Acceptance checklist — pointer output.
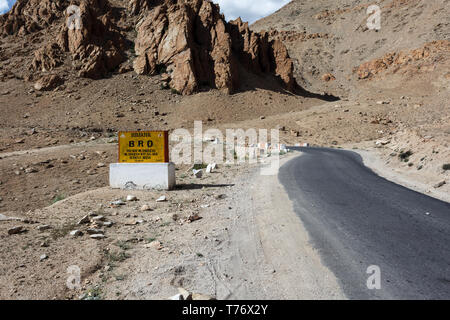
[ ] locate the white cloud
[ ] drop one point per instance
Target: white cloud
(249, 10)
(5, 5)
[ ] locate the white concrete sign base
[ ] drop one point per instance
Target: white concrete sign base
(142, 176)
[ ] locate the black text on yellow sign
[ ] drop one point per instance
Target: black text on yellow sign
(143, 146)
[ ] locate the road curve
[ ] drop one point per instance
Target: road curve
(357, 219)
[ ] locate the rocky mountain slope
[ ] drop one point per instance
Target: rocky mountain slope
(335, 51)
(188, 41)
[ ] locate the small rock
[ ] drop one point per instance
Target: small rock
(194, 217)
(84, 220)
(198, 173)
(31, 170)
(176, 297)
(186, 294)
(131, 198)
(44, 227)
(204, 297)
(97, 236)
(221, 196)
(94, 231)
(16, 230)
(161, 199)
(118, 203)
(146, 208)
(43, 257)
(98, 218)
(154, 245)
(211, 167)
(76, 233)
(107, 224)
(101, 165)
(439, 184)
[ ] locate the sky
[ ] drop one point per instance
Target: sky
(248, 10)
(5, 5)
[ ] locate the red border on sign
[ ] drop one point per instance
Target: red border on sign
(166, 143)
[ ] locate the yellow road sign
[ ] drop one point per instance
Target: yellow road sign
(143, 146)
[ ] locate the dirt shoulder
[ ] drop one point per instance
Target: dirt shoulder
(231, 235)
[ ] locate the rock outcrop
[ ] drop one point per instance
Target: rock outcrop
(189, 41)
(424, 58)
(192, 42)
(28, 16)
(96, 44)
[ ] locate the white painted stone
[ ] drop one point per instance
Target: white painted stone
(142, 176)
(197, 173)
(211, 167)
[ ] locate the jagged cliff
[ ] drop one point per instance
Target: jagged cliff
(189, 41)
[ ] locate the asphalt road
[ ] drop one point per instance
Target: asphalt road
(357, 219)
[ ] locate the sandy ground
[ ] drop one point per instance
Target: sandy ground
(233, 251)
(410, 179)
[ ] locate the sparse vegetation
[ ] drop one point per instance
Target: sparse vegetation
(199, 166)
(124, 245)
(58, 197)
(63, 231)
(117, 256)
(94, 293)
(175, 91)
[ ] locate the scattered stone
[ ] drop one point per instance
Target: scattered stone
(76, 233)
(118, 203)
(6, 218)
(94, 231)
(43, 257)
(48, 82)
(382, 142)
(221, 196)
(176, 297)
(186, 294)
(198, 173)
(97, 236)
(154, 245)
(84, 220)
(107, 224)
(31, 170)
(131, 198)
(383, 102)
(98, 218)
(16, 230)
(44, 244)
(194, 217)
(439, 184)
(44, 227)
(101, 165)
(161, 199)
(211, 167)
(203, 297)
(146, 208)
